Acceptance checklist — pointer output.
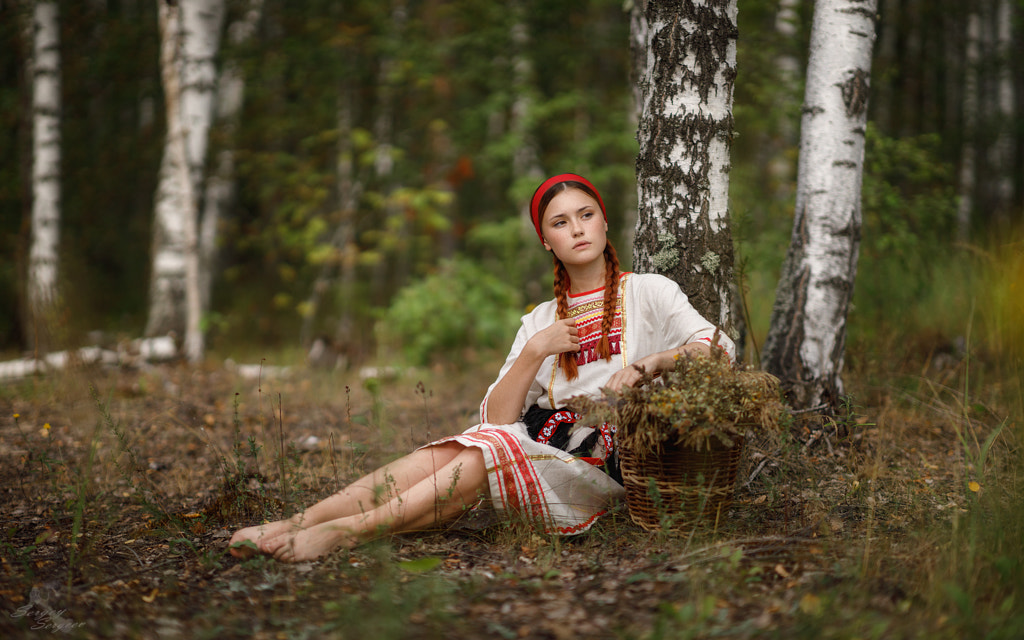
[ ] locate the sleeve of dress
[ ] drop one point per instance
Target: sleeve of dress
(517, 346)
(680, 322)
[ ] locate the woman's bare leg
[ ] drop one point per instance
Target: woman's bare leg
(361, 496)
(435, 499)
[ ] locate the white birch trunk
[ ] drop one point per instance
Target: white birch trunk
(1002, 148)
(349, 192)
(968, 149)
(525, 159)
(807, 337)
(220, 185)
(685, 132)
(384, 161)
(44, 70)
(780, 165)
(183, 216)
(638, 33)
(786, 25)
(190, 33)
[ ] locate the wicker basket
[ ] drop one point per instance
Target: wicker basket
(692, 486)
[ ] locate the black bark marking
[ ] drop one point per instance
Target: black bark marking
(674, 199)
(856, 90)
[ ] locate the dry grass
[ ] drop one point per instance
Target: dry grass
(898, 518)
(861, 525)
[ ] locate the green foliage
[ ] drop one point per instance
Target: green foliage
(908, 200)
(446, 80)
(444, 316)
(981, 576)
(402, 595)
(510, 248)
(909, 209)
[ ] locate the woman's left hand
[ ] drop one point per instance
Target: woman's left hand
(629, 376)
(655, 363)
(625, 377)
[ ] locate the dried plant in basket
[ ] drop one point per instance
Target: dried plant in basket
(702, 398)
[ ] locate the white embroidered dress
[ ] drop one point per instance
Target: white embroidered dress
(559, 491)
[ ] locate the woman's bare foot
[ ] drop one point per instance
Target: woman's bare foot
(311, 543)
(259, 538)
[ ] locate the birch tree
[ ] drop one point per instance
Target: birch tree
(1002, 152)
(190, 39)
(220, 186)
(686, 76)
(388, 74)
(526, 157)
(177, 154)
(807, 336)
(968, 148)
(44, 71)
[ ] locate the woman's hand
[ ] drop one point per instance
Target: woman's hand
(655, 363)
(626, 377)
(505, 402)
(558, 338)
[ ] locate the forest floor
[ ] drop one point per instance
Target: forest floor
(120, 488)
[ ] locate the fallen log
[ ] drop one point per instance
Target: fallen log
(132, 353)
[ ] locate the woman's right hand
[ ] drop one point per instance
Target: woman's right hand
(505, 402)
(558, 338)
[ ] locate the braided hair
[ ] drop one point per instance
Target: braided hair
(568, 360)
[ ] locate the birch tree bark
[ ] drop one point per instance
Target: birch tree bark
(780, 165)
(220, 185)
(190, 33)
(44, 71)
(177, 153)
(968, 147)
(526, 158)
(685, 131)
(807, 337)
(526, 164)
(384, 154)
(1002, 147)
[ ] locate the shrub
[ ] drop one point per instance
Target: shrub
(460, 307)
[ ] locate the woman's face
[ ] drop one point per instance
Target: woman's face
(574, 228)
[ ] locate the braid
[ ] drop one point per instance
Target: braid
(567, 359)
(611, 290)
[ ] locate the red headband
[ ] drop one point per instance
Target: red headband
(546, 186)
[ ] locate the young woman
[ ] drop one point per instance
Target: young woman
(527, 456)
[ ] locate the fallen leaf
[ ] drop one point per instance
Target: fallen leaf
(974, 486)
(420, 565)
(781, 570)
(810, 604)
(151, 597)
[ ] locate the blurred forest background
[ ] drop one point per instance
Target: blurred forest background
(385, 151)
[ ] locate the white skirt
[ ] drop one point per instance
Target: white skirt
(557, 491)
